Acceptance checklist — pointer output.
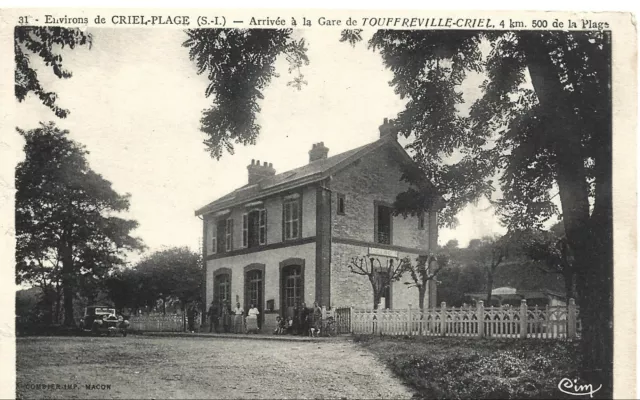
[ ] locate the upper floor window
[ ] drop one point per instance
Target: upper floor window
(383, 224)
(228, 235)
(254, 228)
(291, 219)
(341, 205)
(217, 238)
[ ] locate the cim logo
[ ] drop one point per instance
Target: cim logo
(571, 387)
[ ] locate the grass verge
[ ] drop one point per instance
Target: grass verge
(456, 368)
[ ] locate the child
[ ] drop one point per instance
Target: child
(279, 326)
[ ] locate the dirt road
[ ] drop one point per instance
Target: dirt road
(152, 367)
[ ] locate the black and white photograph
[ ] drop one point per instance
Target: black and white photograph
(229, 204)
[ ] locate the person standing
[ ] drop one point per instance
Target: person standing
(226, 316)
(213, 317)
(252, 319)
(191, 317)
(237, 321)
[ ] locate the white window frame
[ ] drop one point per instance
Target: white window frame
(291, 222)
(262, 227)
(212, 232)
(245, 230)
(228, 235)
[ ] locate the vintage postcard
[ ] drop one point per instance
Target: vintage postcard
(290, 203)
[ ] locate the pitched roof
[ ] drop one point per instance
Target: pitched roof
(312, 172)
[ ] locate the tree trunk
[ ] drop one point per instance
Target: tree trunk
(67, 281)
(422, 290)
(568, 285)
(489, 287)
(589, 236)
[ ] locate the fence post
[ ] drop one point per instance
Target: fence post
(410, 322)
(523, 318)
(480, 318)
(351, 319)
(571, 319)
(443, 316)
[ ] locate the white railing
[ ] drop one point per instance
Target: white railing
(551, 322)
(157, 323)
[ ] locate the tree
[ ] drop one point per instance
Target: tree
(550, 131)
(489, 253)
(240, 64)
(41, 41)
(426, 268)
(65, 222)
(550, 249)
(171, 274)
(380, 276)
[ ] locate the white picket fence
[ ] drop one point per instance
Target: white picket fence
(157, 323)
(555, 322)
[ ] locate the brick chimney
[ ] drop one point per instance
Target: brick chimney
(388, 128)
(318, 152)
(258, 172)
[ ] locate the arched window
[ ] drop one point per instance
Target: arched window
(291, 284)
(222, 287)
(254, 288)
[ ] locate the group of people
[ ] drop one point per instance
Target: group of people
(229, 320)
(300, 320)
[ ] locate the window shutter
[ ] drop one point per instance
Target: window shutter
(245, 230)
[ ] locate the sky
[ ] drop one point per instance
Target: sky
(136, 100)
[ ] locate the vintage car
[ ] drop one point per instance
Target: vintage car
(101, 319)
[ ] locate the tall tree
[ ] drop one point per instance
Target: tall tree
(171, 274)
(543, 121)
(66, 220)
(43, 42)
(489, 253)
(380, 275)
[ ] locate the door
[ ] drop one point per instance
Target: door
(292, 289)
(254, 292)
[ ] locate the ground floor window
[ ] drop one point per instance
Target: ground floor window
(292, 287)
(222, 289)
(254, 291)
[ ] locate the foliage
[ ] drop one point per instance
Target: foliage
(166, 275)
(42, 41)
(381, 276)
(240, 64)
(458, 279)
(552, 253)
(477, 369)
(67, 230)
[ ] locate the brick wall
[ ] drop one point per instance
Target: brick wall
(349, 289)
(375, 177)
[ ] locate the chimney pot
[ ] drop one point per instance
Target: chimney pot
(318, 152)
(258, 172)
(388, 129)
